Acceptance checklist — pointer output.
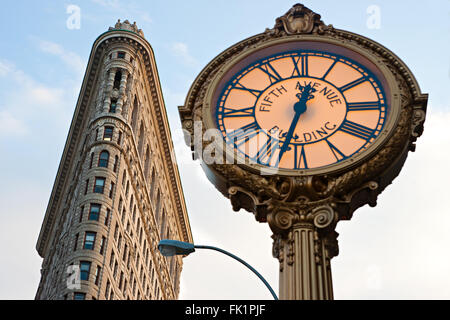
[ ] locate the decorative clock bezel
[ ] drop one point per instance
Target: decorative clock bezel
(345, 165)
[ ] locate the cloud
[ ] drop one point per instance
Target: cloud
(180, 50)
(27, 103)
(71, 59)
(5, 68)
(10, 126)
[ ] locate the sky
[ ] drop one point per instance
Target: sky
(397, 250)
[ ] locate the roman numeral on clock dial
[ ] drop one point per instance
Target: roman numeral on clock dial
(363, 106)
(233, 113)
(303, 70)
(240, 86)
(329, 69)
(243, 134)
(300, 157)
(336, 152)
(267, 151)
(353, 84)
(357, 130)
(268, 69)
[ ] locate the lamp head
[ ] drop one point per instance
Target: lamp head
(170, 248)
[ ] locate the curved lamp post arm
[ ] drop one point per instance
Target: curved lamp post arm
(243, 262)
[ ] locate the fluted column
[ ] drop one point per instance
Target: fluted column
(304, 245)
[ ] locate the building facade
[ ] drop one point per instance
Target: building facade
(117, 191)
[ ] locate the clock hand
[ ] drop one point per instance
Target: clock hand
(299, 109)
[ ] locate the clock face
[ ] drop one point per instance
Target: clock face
(301, 110)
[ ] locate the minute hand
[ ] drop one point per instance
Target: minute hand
(289, 135)
(299, 109)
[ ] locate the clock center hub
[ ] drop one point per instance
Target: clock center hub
(325, 109)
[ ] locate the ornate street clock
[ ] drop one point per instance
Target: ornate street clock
(317, 122)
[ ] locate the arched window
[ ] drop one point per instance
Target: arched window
(117, 80)
(103, 159)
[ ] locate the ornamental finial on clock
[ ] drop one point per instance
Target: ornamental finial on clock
(299, 20)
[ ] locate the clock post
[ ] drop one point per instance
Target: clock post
(318, 121)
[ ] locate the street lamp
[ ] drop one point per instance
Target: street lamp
(170, 248)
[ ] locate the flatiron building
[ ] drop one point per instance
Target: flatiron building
(117, 191)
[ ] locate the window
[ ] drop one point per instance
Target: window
(92, 159)
(85, 267)
(89, 240)
(86, 187)
(76, 242)
(147, 163)
(102, 245)
(119, 139)
(121, 280)
(117, 79)
(111, 190)
(97, 275)
(125, 249)
(108, 133)
(134, 114)
(108, 286)
(119, 242)
(115, 269)
(103, 159)
(116, 162)
(113, 106)
(141, 138)
(121, 55)
(79, 296)
(158, 205)
(81, 213)
(124, 177)
(107, 215)
(116, 231)
(99, 185)
(94, 213)
(111, 260)
(127, 189)
(152, 183)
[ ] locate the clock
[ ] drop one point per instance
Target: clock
(301, 107)
(301, 125)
